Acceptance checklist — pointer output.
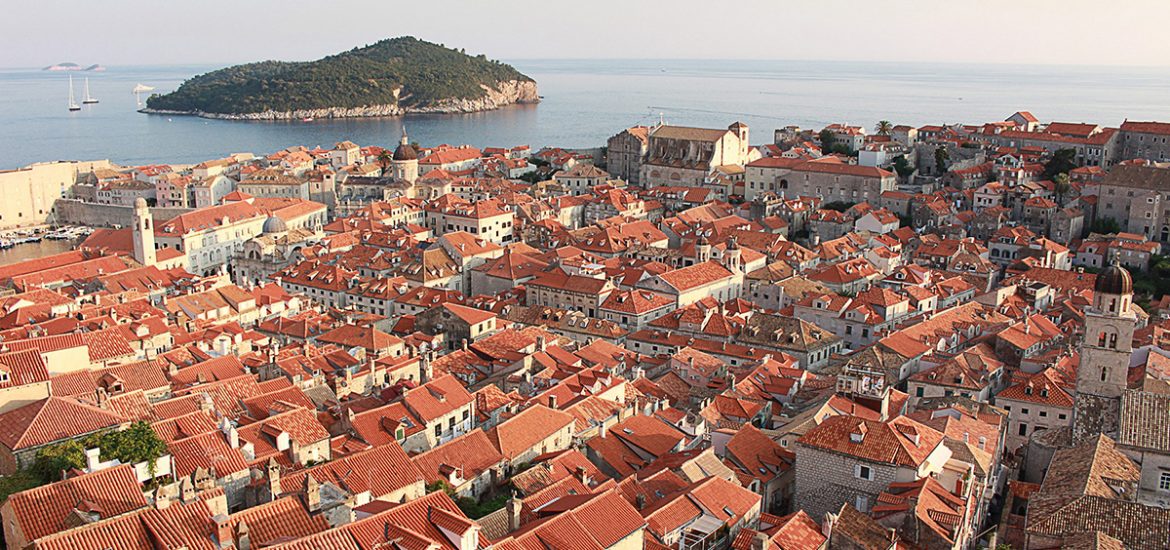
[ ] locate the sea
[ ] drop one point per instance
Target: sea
(584, 102)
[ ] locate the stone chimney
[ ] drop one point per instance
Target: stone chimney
(761, 541)
(640, 502)
(552, 401)
(312, 494)
(513, 514)
(583, 476)
(186, 490)
(221, 526)
(243, 536)
(272, 471)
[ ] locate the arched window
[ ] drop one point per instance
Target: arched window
(1101, 340)
(1104, 373)
(1113, 341)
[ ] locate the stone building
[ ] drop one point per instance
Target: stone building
(625, 151)
(826, 177)
(847, 459)
(1136, 197)
(1144, 140)
(678, 155)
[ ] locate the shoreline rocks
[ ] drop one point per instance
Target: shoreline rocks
(507, 93)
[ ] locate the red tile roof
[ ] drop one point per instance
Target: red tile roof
(52, 419)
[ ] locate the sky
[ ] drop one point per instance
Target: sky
(173, 32)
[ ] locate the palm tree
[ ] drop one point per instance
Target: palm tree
(1061, 186)
(384, 160)
(884, 128)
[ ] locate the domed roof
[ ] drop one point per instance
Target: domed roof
(275, 225)
(140, 203)
(1114, 280)
(405, 152)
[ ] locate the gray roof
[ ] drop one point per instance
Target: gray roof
(1139, 177)
(1144, 418)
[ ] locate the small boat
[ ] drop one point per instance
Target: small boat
(307, 119)
(73, 106)
(88, 100)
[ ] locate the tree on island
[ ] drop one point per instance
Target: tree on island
(941, 157)
(884, 128)
(1062, 161)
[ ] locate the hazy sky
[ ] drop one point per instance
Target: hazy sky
(120, 32)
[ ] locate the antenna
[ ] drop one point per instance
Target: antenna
(661, 118)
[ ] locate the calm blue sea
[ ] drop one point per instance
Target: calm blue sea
(585, 101)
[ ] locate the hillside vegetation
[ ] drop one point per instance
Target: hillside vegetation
(426, 73)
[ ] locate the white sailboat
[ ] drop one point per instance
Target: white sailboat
(138, 90)
(89, 100)
(73, 106)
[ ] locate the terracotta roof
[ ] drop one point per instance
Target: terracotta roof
(901, 441)
(52, 419)
(515, 436)
(43, 510)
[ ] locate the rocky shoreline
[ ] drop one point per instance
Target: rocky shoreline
(510, 92)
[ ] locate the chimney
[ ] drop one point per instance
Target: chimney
(640, 501)
(465, 344)
(312, 494)
(243, 536)
(761, 541)
(223, 530)
(186, 490)
(552, 402)
(233, 437)
(93, 459)
(583, 476)
(513, 514)
(273, 472)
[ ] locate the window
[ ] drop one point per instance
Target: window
(1062, 416)
(1043, 414)
(862, 504)
(918, 392)
(1023, 429)
(863, 472)
(1164, 481)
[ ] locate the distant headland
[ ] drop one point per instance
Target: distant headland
(392, 77)
(73, 67)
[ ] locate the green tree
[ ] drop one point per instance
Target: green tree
(385, 159)
(942, 158)
(1105, 226)
(884, 128)
(827, 140)
(1062, 161)
(902, 166)
(1061, 187)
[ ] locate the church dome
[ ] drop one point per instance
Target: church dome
(1114, 280)
(405, 152)
(275, 225)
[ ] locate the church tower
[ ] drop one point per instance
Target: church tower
(144, 252)
(702, 250)
(1104, 370)
(404, 163)
(732, 258)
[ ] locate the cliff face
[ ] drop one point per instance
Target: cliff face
(509, 92)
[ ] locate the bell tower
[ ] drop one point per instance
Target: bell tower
(143, 231)
(1103, 374)
(404, 163)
